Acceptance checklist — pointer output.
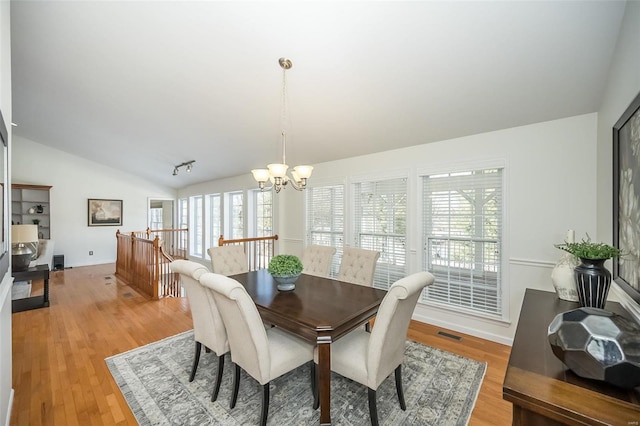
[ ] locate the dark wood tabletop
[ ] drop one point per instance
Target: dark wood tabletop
(319, 310)
(543, 389)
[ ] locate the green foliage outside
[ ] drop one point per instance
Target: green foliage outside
(285, 264)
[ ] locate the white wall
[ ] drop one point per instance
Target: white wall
(74, 180)
(622, 87)
(6, 392)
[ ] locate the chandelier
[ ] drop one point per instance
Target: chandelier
(277, 172)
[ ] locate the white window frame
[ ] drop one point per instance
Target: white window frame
(212, 221)
(256, 206)
(504, 313)
(196, 228)
(387, 272)
(229, 220)
(336, 231)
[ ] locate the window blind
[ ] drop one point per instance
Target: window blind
(462, 222)
(325, 219)
(380, 223)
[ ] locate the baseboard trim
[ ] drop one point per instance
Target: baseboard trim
(465, 330)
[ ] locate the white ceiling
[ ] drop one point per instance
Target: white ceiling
(143, 85)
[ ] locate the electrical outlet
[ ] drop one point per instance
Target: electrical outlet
(90, 252)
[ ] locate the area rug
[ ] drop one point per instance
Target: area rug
(440, 389)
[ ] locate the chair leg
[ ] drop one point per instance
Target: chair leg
(373, 409)
(367, 327)
(265, 404)
(399, 388)
(196, 359)
(216, 388)
(236, 386)
(316, 387)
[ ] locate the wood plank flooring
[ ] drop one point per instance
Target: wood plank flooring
(59, 373)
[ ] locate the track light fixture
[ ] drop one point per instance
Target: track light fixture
(188, 165)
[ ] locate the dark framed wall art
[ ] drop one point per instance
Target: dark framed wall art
(103, 212)
(626, 199)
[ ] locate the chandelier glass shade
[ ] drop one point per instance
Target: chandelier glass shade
(276, 173)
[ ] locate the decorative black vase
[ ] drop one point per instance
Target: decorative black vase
(593, 281)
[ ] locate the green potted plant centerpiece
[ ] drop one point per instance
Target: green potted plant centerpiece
(593, 280)
(285, 269)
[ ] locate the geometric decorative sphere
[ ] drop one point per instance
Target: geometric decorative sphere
(597, 344)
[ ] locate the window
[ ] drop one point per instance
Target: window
(235, 215)
(263, 217)
(213, 220)
(183, 213)
(195, 231)
(462, 222)
(380, 223)
(325, 219)
(155, 218)
(183, 219)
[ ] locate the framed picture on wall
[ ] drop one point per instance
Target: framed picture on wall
(103, 212)
(626, 199)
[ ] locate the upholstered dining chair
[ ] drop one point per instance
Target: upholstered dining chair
(228, 260)
(316, 260)
(208, 328)
(369, 358)
(358, 266)
(264, 354)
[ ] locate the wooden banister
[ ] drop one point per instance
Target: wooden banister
(143, 262)
(259, 250)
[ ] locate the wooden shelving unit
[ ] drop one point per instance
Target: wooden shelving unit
(26, 203)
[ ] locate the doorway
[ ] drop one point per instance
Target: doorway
(160, 214)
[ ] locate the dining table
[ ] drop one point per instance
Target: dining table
(319, 310)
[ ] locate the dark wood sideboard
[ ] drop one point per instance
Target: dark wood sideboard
(543, 390)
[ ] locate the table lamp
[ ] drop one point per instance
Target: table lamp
(22, 236)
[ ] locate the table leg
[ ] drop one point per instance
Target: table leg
(324, 379)
(46, 291)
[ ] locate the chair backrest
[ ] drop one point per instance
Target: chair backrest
(358, 265)
(316, 260)
(247, 336)
(228, 260)
(389, 333)
(208, 327)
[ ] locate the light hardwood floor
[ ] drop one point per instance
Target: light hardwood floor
(59, 373)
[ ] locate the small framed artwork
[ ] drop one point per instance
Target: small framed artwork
(105, 212)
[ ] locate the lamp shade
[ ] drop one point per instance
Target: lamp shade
(303, 172)
(260, 175)
(24, 233)
(277, 170)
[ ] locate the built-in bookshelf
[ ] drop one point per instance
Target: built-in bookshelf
(30, 204)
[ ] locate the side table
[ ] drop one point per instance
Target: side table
(40, 272)
(543, 390)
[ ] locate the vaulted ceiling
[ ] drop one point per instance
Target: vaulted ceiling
(143, 85)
